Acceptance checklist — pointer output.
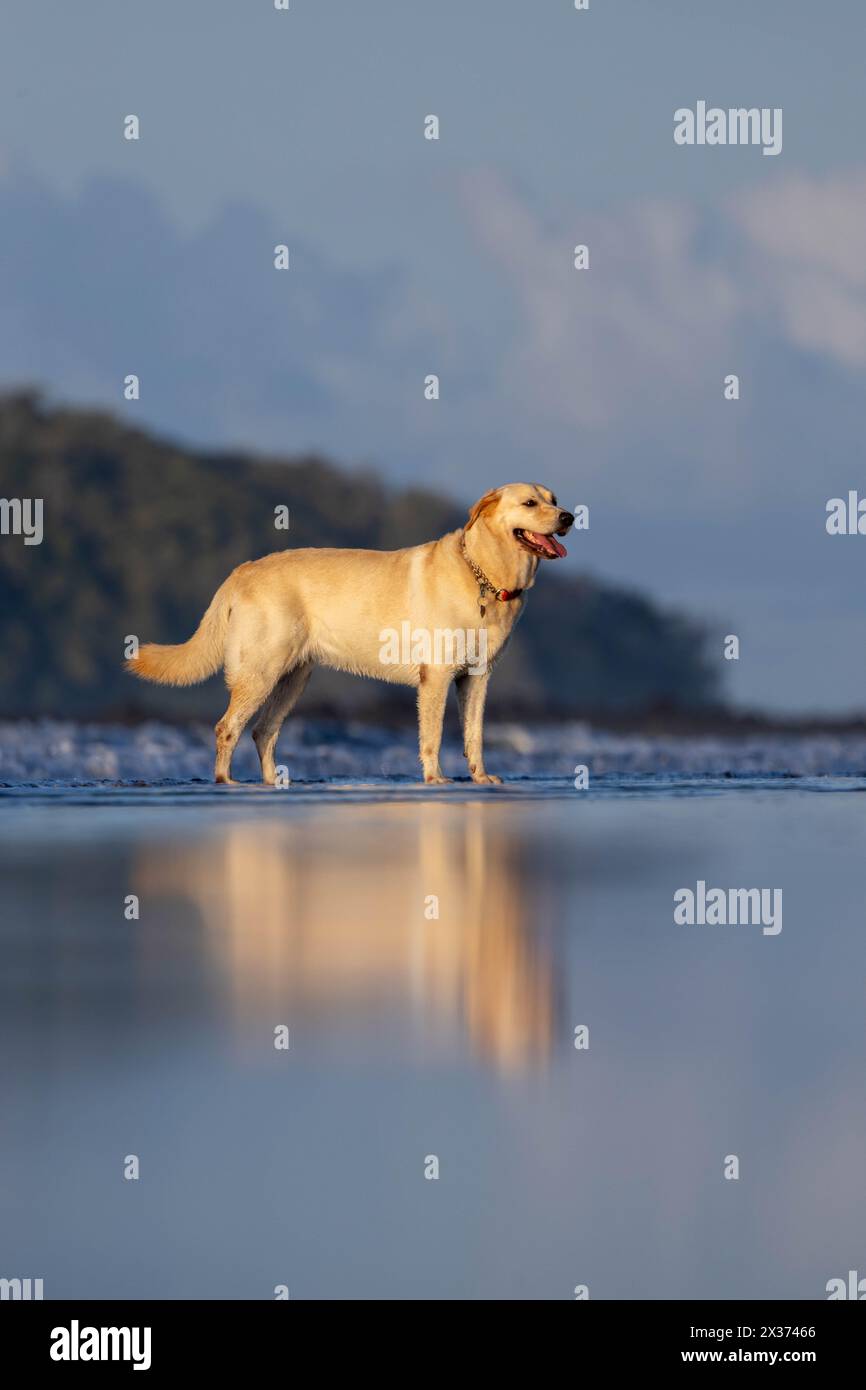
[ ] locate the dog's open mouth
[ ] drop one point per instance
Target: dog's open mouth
(547, 547)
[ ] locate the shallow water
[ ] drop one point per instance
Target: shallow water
(413, 1035)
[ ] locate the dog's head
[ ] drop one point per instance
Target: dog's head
(526, 515)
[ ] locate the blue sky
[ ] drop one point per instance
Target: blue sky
(454, 257)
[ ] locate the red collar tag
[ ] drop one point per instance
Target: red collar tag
(505, 595)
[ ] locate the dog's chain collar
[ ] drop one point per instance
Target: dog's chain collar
(484, 585)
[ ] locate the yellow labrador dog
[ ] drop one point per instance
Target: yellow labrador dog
(424, 617)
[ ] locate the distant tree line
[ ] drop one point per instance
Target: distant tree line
(139, 531)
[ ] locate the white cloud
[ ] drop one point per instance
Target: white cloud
(673, 294)
(636, 326)
(806, 238)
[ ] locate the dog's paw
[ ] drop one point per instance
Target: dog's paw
(437, 781)
(486, 779)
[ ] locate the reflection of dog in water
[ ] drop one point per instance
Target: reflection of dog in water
(292, 921)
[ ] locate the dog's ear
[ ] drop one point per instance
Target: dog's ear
(483, 505)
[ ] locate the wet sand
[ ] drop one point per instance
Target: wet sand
(413, 1035)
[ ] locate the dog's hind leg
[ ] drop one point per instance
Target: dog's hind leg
(278, 705)
(249, 691)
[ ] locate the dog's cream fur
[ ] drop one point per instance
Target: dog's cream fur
(276, 618)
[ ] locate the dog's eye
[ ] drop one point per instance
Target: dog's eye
(530, 503)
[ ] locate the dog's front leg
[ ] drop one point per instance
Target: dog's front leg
(432, 695)
(471, 695)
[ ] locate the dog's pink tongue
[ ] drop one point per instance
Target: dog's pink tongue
(549, 544)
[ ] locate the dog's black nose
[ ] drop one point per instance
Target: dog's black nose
(566, 519)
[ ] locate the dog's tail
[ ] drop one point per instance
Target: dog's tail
(192, 661)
